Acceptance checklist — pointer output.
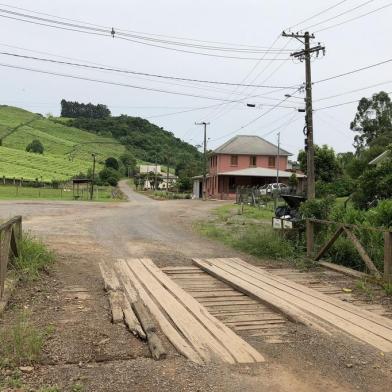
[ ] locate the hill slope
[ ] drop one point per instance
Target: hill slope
(67, 150)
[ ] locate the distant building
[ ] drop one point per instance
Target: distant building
(150, 168)
(244, 160)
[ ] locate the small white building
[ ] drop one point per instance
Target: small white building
(150, 169)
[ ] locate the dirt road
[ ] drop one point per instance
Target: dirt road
(87, 349)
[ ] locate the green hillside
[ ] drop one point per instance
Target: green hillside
(67, 150)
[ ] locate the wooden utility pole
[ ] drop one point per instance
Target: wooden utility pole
(204, 159)
(277, 173)
(167, 176)
(305, 55)
(92, 179)
(156, 167)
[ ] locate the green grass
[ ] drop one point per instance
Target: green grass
(11, 192)
(58, 140)
(227, 211)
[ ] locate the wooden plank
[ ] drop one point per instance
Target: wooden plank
(388, 256)
(115, 301)
(250, 317)
(226, 299)
(362, 252)
(110, 279)
(292, 313)
(5, 238)
(219, 294)
(255, 322)
(176, 339)
(14, 243)
(241, 351)
(329, 243)
(341, 304)
(200, 339)
(357, 326)
(344, 270)
(229, 303)
(132, 322)
(309, 238)
(156, 346)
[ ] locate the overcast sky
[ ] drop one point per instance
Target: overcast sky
(247, 22)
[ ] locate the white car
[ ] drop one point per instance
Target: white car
(270, 188)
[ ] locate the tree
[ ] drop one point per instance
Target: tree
(373, 122)
(293, 181)
(76, 109)
(327, 168)
(129, 161)
(112, 162)
(109, 176)
(35, 146)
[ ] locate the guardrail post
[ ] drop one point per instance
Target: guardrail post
(388, 256)
(309, 237)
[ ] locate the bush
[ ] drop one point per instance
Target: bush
(112, 163)
(381, 215)
(33, 257)
(109, 174)
(341, 187)
(35, 146)
(317, 208)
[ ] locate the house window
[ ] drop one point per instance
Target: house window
(271, 161)
(234, 160)
(252, 160)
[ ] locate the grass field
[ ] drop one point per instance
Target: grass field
(10, 192)
(67, 150)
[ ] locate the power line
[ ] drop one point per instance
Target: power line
(353, 71)
(133, 31)
(338, 15)
(120, 84)
(342, 104)
(105, 68)
(353, 91)
(318, 14)
(354, 18)
(126, 37)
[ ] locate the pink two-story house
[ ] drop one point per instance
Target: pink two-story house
(244, 160)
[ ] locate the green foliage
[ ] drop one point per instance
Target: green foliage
(144, 140)
(381, 215)
(293, 181)
(112, 163)
(109, 176)
(21, 343)
(374, 184)
(76, 109)
(373, 121)
(341, 187)
(326, 164)
(35, 146)
(34, 256)
(67, 150)
(184, 184)
(129, 162)
(317, 208)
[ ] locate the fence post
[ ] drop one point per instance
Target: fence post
(388, 256)
(309, 237)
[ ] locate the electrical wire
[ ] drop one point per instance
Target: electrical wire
(354, 18)
(353, 71)
(339, 15)
(315, 15)
(106, 68)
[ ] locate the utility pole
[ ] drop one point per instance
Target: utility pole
(277, 173)
(302, 55)
(156, 169)
(92, 179)
(167, 176)
(204, 159)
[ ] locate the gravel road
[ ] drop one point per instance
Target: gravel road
(87, 349)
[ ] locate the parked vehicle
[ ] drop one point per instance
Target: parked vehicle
(270, 188)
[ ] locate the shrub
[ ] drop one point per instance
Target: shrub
(317, 208)
(35, 146)
(341, 187)
(33, 257)
(381, 215)
(112, 163)
(109, 173)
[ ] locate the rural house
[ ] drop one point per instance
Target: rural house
(244, 160)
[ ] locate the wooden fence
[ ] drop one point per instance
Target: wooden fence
(10, 235)
(347, 229)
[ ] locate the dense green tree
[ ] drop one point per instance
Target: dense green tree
(327, 167)
(109, 176)
(112, 162)
(76, 109)
(373, 122)
(129, 162)
(35, 146)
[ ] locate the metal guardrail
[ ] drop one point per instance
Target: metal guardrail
(10, 235)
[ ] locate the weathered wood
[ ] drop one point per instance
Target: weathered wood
(323, 221)
(315, 303)
(16, 220)
(362, 252)
(14, 243)
(156, 346)
(344, 270)
(132, 322)
(388, 256)
(111, 282)
(238, 348)
(329, 243)
(5, 238)
(309, 238)
(176, 339)
(144, 316)
(115, 301)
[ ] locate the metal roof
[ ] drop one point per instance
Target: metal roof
(260, 172)
(249, 145)
(379, 158)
